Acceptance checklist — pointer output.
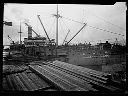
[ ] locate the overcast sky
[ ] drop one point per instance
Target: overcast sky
(107, 17)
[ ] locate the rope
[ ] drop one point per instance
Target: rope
(104, 30)
(94, 27)
(108, 21)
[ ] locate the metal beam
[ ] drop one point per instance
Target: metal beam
(43, 28)
(77, 33)
(57, 27)
(66, 36)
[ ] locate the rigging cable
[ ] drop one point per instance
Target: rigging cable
(65, 24)
(107, 21)
(61, 27)
(72, 20)
(104, 30)
(67, 32)
(50, 30)
(94, 27)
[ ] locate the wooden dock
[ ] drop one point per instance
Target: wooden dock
(56, 76)
(70, 77)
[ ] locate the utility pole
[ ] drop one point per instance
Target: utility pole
(20, 33)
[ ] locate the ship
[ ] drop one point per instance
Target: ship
(38, 48)
(45, 48)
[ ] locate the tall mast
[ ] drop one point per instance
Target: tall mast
(20, 33)
(57, 16)
(57, 27)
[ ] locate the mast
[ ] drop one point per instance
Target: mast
(57, 27)
(57, 16)
(20, 33)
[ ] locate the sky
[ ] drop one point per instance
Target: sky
(111, 18)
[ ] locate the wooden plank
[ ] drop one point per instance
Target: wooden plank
(33, 86)
(25, 82)
(34, 80)
(57, 82)
(38, 82)
(41, 81)
(93, 72)
(4, 84)
(111, 88)
(10, 83)
(81, 73)
(24, 88)
(86, 71)
(64, 85)
(81, 68)
(106, 87)
(73, 75)
(16, 83)
(71, 79)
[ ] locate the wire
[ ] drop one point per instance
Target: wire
(61, 27)
(65, 24)
(50, 30)
(67, 32)
(108, 21)
(94, 27)
(72, 20)
(104, 30)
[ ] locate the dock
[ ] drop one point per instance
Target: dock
(58, 76)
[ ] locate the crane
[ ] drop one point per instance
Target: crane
(77, 33)
(46, 35)
(10, 39)
(66, 37)
(43, 28)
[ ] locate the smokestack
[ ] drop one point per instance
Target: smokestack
(29, 32)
